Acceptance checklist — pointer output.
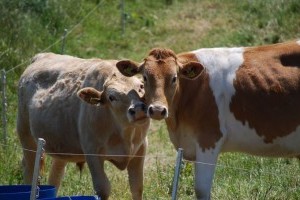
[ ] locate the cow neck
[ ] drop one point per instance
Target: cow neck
(194, 108)
(172, 121)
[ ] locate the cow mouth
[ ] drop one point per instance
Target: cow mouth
(140, 119)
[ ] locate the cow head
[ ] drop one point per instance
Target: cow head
(161, 72)
(122, 95)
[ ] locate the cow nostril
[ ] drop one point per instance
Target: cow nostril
(151, 110)
(164, 112)
(131, 111)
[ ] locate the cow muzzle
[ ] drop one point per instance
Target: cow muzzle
(137, 112)
(157, 112)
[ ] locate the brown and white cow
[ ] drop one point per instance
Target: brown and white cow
(225, 100)
(110, 120)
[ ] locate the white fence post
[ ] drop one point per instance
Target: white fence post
(177, 172)
(4, 106)
(36, 172)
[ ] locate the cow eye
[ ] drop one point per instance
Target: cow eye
(174, 79)
(112, 98)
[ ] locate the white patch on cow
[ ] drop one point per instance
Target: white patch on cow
(242, 138)
(298, 42)
(221, 64)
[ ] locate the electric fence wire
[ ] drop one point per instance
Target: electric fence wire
(165, 157)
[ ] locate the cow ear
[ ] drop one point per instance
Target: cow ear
(191, 70)
(90, 95)
(128, 68)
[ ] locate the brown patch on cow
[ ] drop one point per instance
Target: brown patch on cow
(198, 110)
(268, 90)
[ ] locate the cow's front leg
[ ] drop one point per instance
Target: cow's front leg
(136, 173)
(100, 181)
(204, 172)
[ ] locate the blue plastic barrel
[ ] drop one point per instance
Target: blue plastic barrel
(22, 192)
(74, 198)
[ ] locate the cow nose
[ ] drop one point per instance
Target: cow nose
(157, 112)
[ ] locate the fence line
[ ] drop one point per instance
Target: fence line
(82, 154)
(154, 156)
(59, 40)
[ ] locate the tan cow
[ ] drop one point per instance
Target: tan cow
(110, 120)
(225, 100)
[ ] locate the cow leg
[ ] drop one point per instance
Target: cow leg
(29, 148)
(57, 172)
(136, 174)
(204, 172)
(28, 163)
(28, 143)
(100, 181)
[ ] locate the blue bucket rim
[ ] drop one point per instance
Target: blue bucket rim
(24, 188)
(82, 197)
(21, 192)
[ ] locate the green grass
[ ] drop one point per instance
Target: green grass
(28, 27)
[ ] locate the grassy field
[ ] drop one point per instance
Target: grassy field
(31, 26)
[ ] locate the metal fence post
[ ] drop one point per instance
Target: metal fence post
(4, 106)
(177, 172)
(38, 156)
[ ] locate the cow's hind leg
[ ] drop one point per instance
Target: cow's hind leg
(57, 172)
(136, 174)
(29, 152)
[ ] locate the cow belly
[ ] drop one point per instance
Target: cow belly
(242, 138)
(60, 136)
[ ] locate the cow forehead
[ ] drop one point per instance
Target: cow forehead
(131, 87)
(161, 68)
